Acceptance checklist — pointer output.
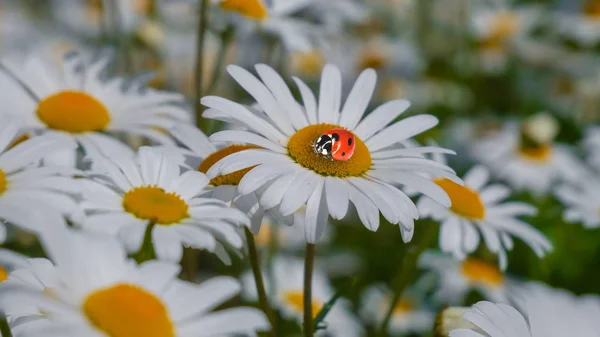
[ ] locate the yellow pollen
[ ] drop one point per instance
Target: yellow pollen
(402, 307)
(253, 9)
(308, 63)
(301, 150)
(592, 9)
(19, 140)
(295, 299)
(3, 274)
(154, 204)
(539, 154)
(465, 201)
(372, 58)
(126, 310)
(73, 111)
(478, 271)
(504, 26)
(3, 182)
(227, 179)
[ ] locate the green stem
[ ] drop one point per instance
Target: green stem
(202, 25)
(146, 252)
(407, 271)
(190, 263)
(308, 271)
(258, 278)
(4, 328)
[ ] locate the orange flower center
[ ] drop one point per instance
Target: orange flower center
(295, 299)
(465, 201)
(504, 26)
(154, 204)
(253, 9)
(74, 112)
(3, 274)
(227, 179)
(3, 182)
(126, 310)
(478, 271)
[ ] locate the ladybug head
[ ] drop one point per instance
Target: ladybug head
(323, 145)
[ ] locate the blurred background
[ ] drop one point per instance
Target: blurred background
(475, 64)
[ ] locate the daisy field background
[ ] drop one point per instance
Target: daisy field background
(158, 175)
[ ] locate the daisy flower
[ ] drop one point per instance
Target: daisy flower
(409, 315)
(481, 209)
(277, 19)
(458, 278)
(496, 28)
(582, 26)
(223, 187)
(591, 143)
(581, 201)
(26, 185)
(92, 289)
(542, 312)
(287, 294)
(10, 261)
(134, 193)
(75, 100)
(292, 174)
(526, 157)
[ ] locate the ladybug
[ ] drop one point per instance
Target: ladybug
(338, 144)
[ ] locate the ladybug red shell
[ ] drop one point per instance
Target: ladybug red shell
(338, 144)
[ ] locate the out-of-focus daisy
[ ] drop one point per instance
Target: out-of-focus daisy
(582, 26)
(458, 278)
(292, 174)
(137, 192)
(77, 101)
(25, 185)
(287, 296)
(581, 201)
(409, 315)
(526, 157)
(496, 28)
(223, 187)
(92, 289)
(477, 210)
(9, 261)
(540, 312)
(591, 143)
(278, 20)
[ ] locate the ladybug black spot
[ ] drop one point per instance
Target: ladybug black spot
(335, 137)
(349, 141)
(343, 154)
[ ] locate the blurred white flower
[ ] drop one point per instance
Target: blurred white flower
(514, 155)
(286, 287)
(10, 261)
(457, 278)
(77, 101)
(25, 185)
(583, 26)
(410, 315)
(591, 144)
(92, 289)
(540, 312)
(477, 210)
(581, 201)
(135, 192)
(293, 174)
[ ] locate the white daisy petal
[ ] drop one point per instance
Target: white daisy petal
(310, 102)
(167, 244)
(380, 117)
(330, 94)
(337, 197)
(244, 137)
(402, 130)
(316, 214)
(358, 99)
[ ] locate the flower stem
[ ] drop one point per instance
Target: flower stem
(260, 285)
(308, 271)
(146, 251)
(407, 271)
(199, 71)
(4, 328)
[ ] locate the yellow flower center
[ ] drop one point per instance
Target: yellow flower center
(300, 148)
(3, 182)
(308, 63)
(504, 26)
(226, 179)
(539, 154)
(372, 58)
(465, 201)
(154, 204)
(73, 111)
(253, 9)
(402, 307)
(592, 9)
(126, 310)
(3, 274)
(19, 140)
(295, 299)
(478, 271)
